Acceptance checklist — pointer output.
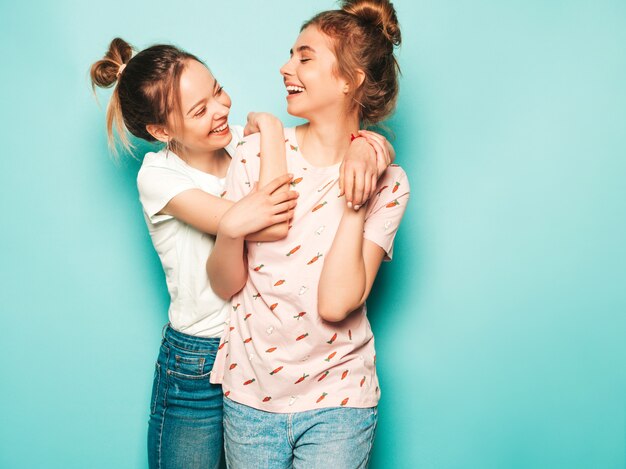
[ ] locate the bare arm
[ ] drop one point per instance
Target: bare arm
(199, 209)
(272, 154)
(349, 270)
(273, 164)
(227, 265)
(204, 211)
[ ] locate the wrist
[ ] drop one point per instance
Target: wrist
(228, 230)
(358, 141)
(268, 122)
(351, 213)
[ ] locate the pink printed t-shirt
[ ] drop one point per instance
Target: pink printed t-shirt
(277, 354)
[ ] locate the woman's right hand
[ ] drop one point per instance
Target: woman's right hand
(259, 121)
(259, 209)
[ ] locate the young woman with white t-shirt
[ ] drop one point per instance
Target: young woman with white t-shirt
(164, 94)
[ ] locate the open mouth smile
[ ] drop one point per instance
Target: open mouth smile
(219, 129)
(294, 89)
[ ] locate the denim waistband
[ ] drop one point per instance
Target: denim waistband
(190, 342)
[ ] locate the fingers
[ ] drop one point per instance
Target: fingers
(341, 176)
(252, 126)
(373, 186)
(282, 217)
(368, 134)
(380, 140)
(283, 207)
(367, 188)
(280, 197)
(379, 148)
(349, 187)
(387, 154)
(275, 183)
(359, 186)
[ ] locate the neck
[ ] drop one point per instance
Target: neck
(212, 162)
(326, 141)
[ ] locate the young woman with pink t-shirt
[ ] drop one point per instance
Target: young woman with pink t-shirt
(297, 362)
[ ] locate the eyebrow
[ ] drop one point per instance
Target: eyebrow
(203, 99)
(302, 49)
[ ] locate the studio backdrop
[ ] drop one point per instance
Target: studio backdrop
(500, 324)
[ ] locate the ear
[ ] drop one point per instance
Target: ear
(159, 132)
(360, 78)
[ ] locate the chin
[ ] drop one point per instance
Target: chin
(296, 111)
(228, 138)
(219, 142)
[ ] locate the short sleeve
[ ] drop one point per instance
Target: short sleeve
(243, 170)
(386, 209)
(237, 136)
(157, 186)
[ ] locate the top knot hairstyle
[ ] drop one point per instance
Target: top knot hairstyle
(364, 34)
(147, 91)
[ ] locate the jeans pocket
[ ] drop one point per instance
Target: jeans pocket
(190, 365)
(156, 384)
(187, 391)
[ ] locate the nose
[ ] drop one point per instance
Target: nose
(219, 114)
(286, 70)
(221, 110)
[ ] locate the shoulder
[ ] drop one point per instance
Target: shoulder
(158, 159)
(236, 131)
(247, 151)
(394, 177)
(392, 191)
(159, 167)
(251, 141)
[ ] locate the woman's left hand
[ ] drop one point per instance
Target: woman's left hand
(366, 160)
(385, 154)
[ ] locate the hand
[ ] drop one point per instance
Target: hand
(385, 154)
(367, 158)
(259, 209)
(257, 120)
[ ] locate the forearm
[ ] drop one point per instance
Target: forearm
(227, 267)
(273, 164)
(343, 283)
(273, 156)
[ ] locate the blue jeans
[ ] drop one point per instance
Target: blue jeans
(185, 428)
(336, 437)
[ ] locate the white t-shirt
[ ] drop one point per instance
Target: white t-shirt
(194, 308)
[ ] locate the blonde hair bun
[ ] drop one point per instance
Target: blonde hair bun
(379, 13)
(105, 72)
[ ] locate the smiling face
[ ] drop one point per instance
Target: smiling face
(203, 125)
(314, 89)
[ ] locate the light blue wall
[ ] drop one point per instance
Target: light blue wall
(500, 324)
